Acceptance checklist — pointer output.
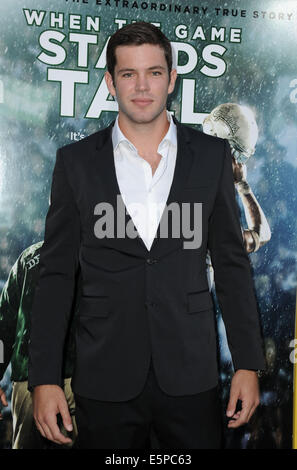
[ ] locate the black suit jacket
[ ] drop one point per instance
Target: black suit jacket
(137, 304)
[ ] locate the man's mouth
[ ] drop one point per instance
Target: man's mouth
(142, 101)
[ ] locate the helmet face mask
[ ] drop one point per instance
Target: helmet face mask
(237, 124)
(238, 154)
(240, 157)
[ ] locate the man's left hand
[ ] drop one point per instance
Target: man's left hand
(244, 387)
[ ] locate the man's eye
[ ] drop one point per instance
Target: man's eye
(127, 75)
(156, 72)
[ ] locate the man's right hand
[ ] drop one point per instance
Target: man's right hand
(48, 402)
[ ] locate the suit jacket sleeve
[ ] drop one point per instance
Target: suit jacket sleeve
(54, 292)
(232, 275)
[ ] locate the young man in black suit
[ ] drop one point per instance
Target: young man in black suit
(146, 346)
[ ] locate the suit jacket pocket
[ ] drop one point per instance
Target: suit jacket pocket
(199, 301)
(94, 306)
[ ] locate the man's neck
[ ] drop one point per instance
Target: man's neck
(146, 137)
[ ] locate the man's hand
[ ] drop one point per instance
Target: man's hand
(3, 400)
(244, 387)
(48, 401)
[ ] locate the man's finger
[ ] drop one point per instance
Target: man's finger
(236, 416)
(49, 434)
(252, 411)
(232, 403)
(54, 437)
(39, 427)
(243, 418)
(45, 429)
(66, 418)
(56, 434)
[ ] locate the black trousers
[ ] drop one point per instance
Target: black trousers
(152, 420)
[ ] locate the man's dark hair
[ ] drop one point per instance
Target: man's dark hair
(137, 34)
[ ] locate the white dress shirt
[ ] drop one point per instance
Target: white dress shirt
(144, 194)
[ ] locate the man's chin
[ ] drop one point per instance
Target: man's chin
(144, 117)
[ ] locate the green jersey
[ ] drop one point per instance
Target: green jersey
(15, 308)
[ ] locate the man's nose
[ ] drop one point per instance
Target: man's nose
(142, 83)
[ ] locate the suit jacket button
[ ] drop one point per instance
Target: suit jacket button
(151, 261)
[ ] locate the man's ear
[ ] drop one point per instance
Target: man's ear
(173, 76)
(109, 83)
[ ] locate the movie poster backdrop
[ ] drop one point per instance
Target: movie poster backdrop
(237, 78)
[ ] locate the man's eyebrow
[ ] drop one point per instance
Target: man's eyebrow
(126, 70)
(154, 67)
(157, 67)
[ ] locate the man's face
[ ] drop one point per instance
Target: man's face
(141, 82)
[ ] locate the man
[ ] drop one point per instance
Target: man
(15, 311)
(146, 343)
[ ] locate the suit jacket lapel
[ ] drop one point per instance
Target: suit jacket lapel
(104, 162)
(105, 168)
(184, 158)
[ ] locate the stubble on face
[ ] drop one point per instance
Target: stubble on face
(138, 117)
(141, 83)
